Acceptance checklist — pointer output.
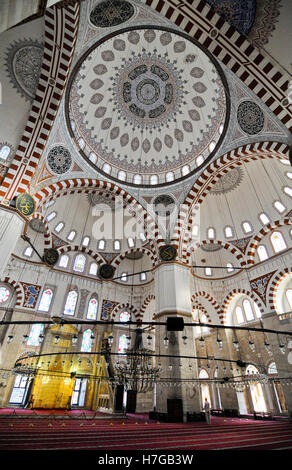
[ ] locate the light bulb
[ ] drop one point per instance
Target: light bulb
(202, 342)
(9, 339)
(184, 338)
(236, 345)
(74, 339)
(282, 348)
(220, 344)
(149, 340)
(166, 342)
(252, 346)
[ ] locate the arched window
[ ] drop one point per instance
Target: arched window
(279, 206)
(228, 232)
(101, 244)
(123, 344)
(51, 216)
(92, 309)
(85, 241)
(63, 263)
(4, 294)
(125, 316)
(169, 176)
(199, 160)
(117, 245)
(79, 263)
(248, 310)
(131, 242)
(264, 218)
(278, 242)
(46, 299)
(272, 369)
(92, 157)
(86, 344)
(185, 170)
(230, 268)
(4, 152)
(71, 302)
(208, 271)
(93, 269)
(204, 319)
(122, 175)
(239, 315)
(289, 297)
(212, 145)
(153, 179)
(81, 143)
(71, 235)
(262, 253)
(211, 233)
(288, 191)
(247, 227)
(257, 310)
(107, 168)
(35, 332)
(28, 251)
(59, 227)
(205, 390)
(137, 179)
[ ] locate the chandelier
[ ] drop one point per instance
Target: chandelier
(137, 372)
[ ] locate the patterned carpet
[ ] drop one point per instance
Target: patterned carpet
(135, 434)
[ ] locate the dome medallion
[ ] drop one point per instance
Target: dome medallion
(142, 109)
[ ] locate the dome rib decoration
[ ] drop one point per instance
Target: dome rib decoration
(140, 107)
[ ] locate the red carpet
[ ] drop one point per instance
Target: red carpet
(134, 434)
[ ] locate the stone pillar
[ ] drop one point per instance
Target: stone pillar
(11, 226)
(173, 299)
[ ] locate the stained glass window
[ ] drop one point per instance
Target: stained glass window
(123, 344)
(86, 345)
(4, 294)
(71, 303)
(125, 316)
(46, 300)
(92, 309)
(79, 263)
(278, 241)
(35, 332)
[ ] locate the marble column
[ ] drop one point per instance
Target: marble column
(173, 299)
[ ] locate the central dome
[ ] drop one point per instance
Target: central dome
(147, 106)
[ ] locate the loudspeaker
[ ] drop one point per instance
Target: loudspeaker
(174, 324)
